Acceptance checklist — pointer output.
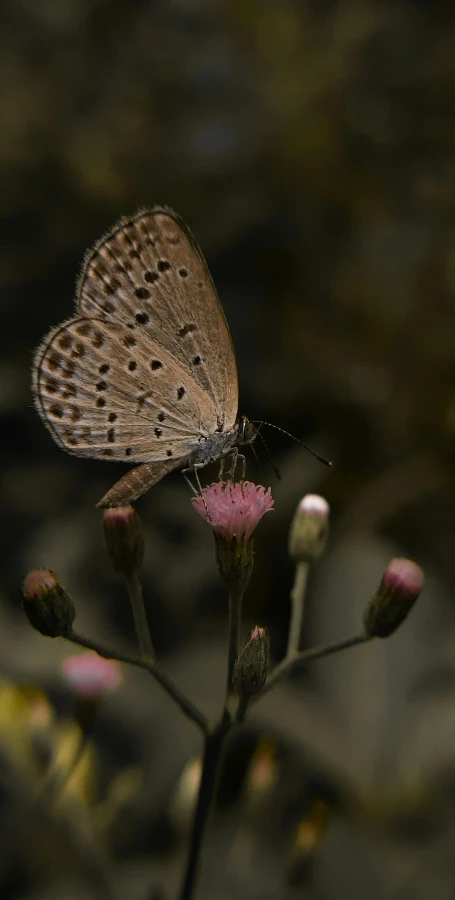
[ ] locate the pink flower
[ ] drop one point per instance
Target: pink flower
(233, 510)
(89, 675)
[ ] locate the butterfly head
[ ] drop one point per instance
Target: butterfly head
(247, 432)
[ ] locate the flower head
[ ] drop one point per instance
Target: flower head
(48, 607)
(233, 510)
(124, 538)
(400, 586)
(89, 675)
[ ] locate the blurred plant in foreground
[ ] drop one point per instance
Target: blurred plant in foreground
(233, 511)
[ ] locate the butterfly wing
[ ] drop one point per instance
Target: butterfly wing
(105, 393)
(149, 274)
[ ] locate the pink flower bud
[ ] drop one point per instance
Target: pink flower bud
(48, 607)
(124, 538)
(400, 586)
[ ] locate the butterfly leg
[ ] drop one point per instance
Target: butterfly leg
(188, 481)
(199, 493)
(234, 454)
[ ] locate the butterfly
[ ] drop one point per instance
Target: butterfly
(145, 372)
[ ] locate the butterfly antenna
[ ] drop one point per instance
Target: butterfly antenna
(268, 454)
(327, 462)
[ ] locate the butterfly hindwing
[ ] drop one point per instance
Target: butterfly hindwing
(104, 393)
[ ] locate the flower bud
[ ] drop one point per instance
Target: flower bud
(250, 670)
(124, 538)
(47, 605)
(309, 529)
(400, 586)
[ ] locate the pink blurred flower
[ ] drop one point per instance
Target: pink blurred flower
(89, 675)
(233, 510)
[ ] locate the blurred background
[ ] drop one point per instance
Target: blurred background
(310, 146)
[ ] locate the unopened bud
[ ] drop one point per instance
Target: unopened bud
(250, 670)
(309, 529)
(400, 586)
(48, 607)
(124, 538)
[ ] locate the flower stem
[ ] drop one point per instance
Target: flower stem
(235, 613)
(299, 659)
(134, 587)
(297, 602)
(187, 706)
(210, 761)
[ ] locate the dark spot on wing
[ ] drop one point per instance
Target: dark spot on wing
(151, 277)
(112, 417)
(132, 365)
(84, 329)
(142, 293)
(163, 265)
(180, 393)
(101, 386)
(110, 287)
(98, 340)
(158, 432)
(186, 329)
(53, 361)
(78, 350)
(104, 368)
(183, 273)
(56, 410)
(156, 364)
(142, 318)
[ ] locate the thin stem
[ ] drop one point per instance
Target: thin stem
(188, 708)
(235, 614)
(297, 602)
(134, 587)
(210, 761)
(299, 659)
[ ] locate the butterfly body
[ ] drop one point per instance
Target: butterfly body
(145, 372)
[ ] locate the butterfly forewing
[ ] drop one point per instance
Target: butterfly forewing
(103, 392)
(149, 275)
